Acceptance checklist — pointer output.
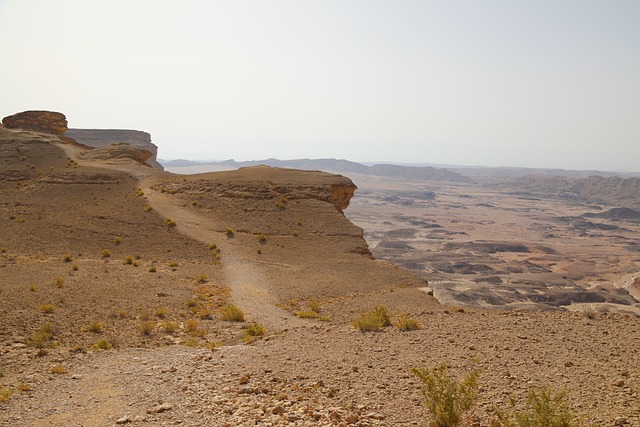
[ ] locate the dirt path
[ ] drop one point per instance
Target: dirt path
(249, 287)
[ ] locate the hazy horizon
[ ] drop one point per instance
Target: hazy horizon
(542, 84)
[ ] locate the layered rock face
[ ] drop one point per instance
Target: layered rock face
(99, 138)
(39, 121)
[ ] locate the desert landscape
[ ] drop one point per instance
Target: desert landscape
(133, 295)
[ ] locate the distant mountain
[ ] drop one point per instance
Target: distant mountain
(412, 173)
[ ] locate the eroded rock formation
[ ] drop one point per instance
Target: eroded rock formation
(99, 138)
(118, 151)
(39, 121)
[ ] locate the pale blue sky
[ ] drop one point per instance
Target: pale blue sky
(544, 83)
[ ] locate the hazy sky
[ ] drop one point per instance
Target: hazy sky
(545, 83)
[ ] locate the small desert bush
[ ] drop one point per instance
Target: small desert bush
(148, 208)
(590, 313)
(139, 192)
(203, 313)
(75, 267)
(543, 407)
(373, 320)
(173, 264)
(262, 238)
(146, 328)
(192, 327)
(307, 314)
(58, 369)
(202, 278)
(161, 312)
(121, 314)
(5, 394)
(153, 269)
(314, 305)
(95, 327)
(231, 313)
(24, 388)
(407, 323)
(106, 253)
(169, 327)
(191, 303)
(59, 282)
(446, 398)
(43, 337)
(128, 260)
(190, 343)
(213, 247)
(229, 232)
(169, 223)
(145, 316)
(117, 240)
(282, 202)
(32, 288)
(253, 331)
(47, 308)
(103, 344)
(67, 257)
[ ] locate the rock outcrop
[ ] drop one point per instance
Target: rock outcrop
(99, 138)
(118, 151)
(39, 121)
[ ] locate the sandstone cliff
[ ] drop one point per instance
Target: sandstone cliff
(99, 138)
(39, 121)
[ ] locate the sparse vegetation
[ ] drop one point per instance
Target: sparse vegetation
(43, 337)
(170, 223)
(106, 253)
(103, 344)
(58, 369)
(32, 288)
(5, 394)
(262, 238)
(67, 257)
(543, 407)
(189, 343)
(253, 332)
(121, 314)
(590, 313)
(161, 312)
(139, 192)
(407, 323)
(229, 232)
(169, 327)
(153, 269)
(146, 328)
(148, 208)
(24, 388)
(95, 327)
(373, 320)
(282, 202)
(191, 303)
(231, 313)
(75, 267)
(307, 314)
(202, 278)
(446, 398)
(59, 282)
(128, 260)
(192, 327)
(173, 264)
(47, 308)
(117, 240)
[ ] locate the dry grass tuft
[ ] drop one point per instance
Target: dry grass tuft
(231, 313)
(58, 369)
(47, 308)
(407, 323)
(253, 332)
(95, 327)
(146, 328)
(373, 320)
(103, 344)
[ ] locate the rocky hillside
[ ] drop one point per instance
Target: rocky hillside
(139, 297)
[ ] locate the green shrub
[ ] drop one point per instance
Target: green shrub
(446, 398)
(374, 320)
(95, 327)
(59, 282)
(106, 253)
(253, 331)
(146, 328)
(231, 313)
(47, 308)
(407, 323)
(103, 344)
(544, 407)
(153, 269)
(307, 314)
(169, 327)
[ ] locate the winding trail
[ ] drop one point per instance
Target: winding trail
(248, 284)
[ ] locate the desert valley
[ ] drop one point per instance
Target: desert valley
(133, 295)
